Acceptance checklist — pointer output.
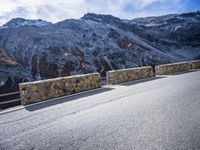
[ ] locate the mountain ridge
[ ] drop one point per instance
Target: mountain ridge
(20, 22)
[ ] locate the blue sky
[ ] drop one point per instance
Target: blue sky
(57, 10)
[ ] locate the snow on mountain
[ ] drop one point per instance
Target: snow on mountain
(20, 22)
(93, 43)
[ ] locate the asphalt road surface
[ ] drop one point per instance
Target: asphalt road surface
(154, 114)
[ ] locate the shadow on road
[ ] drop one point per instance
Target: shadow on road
(140, 81)
(67, 98)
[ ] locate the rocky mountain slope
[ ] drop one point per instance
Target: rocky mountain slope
(20, 22)
(36, 49)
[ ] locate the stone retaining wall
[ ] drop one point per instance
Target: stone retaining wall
(32, 92)
(195, 64)
(177, 67)
(125, 75)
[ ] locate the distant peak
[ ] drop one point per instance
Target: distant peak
(17, 19)
(100, 17)
(19, 22)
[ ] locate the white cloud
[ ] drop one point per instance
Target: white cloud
(6, 7)
(147, 2)
(58, 10)
(43, 9)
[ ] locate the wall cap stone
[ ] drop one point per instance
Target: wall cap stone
(57, 79)
(128, 69)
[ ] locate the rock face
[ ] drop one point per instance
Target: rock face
(94, 43)
(125, 75)
(32, 92)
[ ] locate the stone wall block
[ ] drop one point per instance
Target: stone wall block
(177, 67)
(125, 75)
(32, 92)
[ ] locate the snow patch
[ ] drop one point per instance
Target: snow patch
(180, 18)
(153, 25)
(1, 83)
(176, 28)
